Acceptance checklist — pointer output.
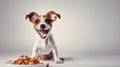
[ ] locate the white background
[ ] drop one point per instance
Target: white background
(91, 26)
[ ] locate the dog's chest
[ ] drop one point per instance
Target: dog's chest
(45, 47)
(43, 44)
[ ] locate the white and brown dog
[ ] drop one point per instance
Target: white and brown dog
(44, 46)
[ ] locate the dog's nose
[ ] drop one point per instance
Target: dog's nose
(42, 26)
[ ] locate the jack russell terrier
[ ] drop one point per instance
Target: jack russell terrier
(44, 45)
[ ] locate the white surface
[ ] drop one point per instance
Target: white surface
(86, 25)
(77, 60)
(36, 65)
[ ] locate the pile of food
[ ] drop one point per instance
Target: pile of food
(26, 60)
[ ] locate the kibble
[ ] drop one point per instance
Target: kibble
(26, 60)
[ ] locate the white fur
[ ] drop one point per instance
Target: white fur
(40, 46)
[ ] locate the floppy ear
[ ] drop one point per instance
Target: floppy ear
(27, 16)
(58, 16)
(52, 15)
(32, 15)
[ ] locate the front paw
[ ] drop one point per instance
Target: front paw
(59, 61)
(37, 57)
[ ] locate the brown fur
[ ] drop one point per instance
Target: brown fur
(31, 15)
(48, 15)
(30, 18)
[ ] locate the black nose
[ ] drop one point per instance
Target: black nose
(42, 26)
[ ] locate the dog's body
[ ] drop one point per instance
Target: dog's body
(44, 45)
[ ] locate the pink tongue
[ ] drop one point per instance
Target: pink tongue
(43, 33)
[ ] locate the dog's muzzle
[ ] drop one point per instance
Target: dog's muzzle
(43, 33)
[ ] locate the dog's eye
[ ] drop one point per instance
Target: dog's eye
(37, 21)
(48, 21)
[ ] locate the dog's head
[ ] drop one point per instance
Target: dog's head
(43, 23)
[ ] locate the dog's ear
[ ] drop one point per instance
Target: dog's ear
(52, 15)
(27, 16)
(31, 15)
(58, 16)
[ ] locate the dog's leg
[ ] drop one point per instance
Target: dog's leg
(54, 50)
(55, 54)
(35, 52)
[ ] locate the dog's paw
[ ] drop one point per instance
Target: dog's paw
(59, 61)
(37, 57)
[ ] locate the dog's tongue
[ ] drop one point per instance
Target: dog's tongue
(43, 33)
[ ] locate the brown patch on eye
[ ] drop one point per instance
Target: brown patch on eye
(44, 17)
(48, 21)
(37, 21)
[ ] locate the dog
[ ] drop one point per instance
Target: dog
(44, 45)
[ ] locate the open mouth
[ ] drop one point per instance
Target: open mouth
(43, 33)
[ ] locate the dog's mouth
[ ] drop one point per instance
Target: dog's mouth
(43, 33)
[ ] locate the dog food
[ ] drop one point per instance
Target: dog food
(26, 60)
